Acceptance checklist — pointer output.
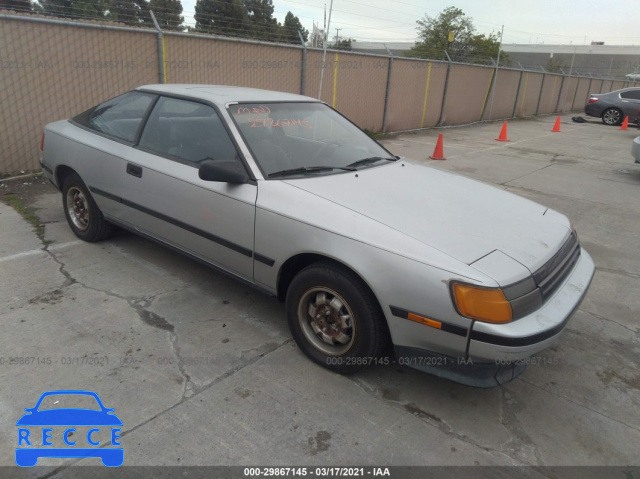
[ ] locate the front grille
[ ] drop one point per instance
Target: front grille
(554, 271)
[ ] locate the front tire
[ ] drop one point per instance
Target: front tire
(612, 117)
(335, 319)
(82, 212)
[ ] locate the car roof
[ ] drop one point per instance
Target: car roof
(222, 94)
(613, 92)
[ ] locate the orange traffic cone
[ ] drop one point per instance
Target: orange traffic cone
(556, 127)
(503, 133)
(438, 153)
(625, 123)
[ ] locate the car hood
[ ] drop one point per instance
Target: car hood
(463, 218)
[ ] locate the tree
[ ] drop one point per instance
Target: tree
(554, 65)
(261, 24)
(168, 14)
(290, 29)
(343, 44)
(129, 12)
(223, 17)
(74, 8)
(17, 5)
(467, 45)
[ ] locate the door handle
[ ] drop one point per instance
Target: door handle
(134, 170)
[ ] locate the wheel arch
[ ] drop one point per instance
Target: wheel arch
(298, 262)
(61, 173)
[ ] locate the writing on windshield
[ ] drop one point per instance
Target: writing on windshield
(254, 109)
(260, 122)
(279, 123)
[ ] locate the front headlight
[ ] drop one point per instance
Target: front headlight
(484, 304)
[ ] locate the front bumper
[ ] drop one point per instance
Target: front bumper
(497, 353)
(526, 336)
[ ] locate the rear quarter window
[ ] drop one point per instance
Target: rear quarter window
(119, 117)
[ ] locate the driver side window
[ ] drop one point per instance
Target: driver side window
(187, 131)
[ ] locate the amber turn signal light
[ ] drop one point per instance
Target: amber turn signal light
(484, 304)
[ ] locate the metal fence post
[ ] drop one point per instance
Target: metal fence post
(303, 67)
(161, 71)
(544, 76)
(575, 94)
(588, 90)
(386, 95)
(444, 92)
(515, 104)
(494, 74)
(560, 94)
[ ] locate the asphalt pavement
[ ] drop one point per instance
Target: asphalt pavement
(202, 369)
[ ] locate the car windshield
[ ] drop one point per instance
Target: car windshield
(305, 139)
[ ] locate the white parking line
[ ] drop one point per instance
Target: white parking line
(56, 247)
(33, 252)
(23, 254)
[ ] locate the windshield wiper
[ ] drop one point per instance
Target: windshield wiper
(305, 169)
(368, 161)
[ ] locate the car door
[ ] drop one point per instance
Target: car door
(165, 198)
(630, 102)
(98, 153)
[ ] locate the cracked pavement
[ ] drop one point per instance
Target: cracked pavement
(203, 371)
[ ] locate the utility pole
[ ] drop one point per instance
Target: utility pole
(610, 65)
(495, 76)
(324, 47)
(572, 60)
(338, 36)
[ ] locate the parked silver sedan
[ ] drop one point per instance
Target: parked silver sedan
(366, 249)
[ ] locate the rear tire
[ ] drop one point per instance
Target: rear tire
(82, 212)
(612, 117)
(335, 319)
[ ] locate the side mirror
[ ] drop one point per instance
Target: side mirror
(224, 171)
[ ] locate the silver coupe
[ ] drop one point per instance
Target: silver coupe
(378, 259)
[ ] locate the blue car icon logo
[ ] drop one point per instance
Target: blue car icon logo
(42, 426)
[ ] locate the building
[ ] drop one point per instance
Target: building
(596, 60)
(620, 62)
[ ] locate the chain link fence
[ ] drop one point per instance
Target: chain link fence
(52, 69)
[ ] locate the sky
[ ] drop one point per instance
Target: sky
(525, 21)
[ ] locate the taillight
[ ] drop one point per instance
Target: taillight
(593, 99)
(42, 142)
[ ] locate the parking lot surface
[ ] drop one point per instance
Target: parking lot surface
(202, 370)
